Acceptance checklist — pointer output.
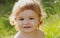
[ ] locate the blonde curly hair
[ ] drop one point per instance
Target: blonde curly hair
(22, 5)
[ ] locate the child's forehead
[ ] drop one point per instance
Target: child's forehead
(27, 13)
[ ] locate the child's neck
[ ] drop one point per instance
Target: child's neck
(30, 34)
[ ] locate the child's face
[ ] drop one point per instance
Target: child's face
(27, 21)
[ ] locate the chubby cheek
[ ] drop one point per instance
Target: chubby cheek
(18, 26)
(35, 23)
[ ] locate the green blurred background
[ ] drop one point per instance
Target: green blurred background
(51, 23)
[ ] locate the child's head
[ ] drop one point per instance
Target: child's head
(26, 12)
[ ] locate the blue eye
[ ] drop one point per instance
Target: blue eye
(31, 18)
(21, 19)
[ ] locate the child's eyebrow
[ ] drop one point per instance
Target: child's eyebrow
(20, 17)
(31, 16)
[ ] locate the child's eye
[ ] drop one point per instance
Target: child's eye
(21, 19)
(31, 18)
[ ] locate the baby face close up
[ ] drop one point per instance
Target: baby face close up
(27, 21)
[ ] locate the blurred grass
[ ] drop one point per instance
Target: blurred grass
(6, 30)
(51, 27)
(10, 36)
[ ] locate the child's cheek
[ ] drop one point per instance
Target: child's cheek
(19, 23)
(33, 22)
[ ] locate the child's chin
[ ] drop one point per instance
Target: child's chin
(27, 31)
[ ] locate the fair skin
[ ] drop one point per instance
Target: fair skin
(27, 23)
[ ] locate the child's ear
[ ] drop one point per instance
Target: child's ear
(41, 20)
(14, 21)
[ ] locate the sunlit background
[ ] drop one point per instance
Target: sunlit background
(50, 26)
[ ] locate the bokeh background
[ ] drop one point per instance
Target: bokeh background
(51, 23)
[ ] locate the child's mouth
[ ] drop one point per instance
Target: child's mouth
(27, 27)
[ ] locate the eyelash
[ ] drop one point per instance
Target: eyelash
(31, 18)
(23, 19)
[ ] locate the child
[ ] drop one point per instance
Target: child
(27, 17)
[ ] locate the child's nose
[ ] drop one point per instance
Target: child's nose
(26, 22)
